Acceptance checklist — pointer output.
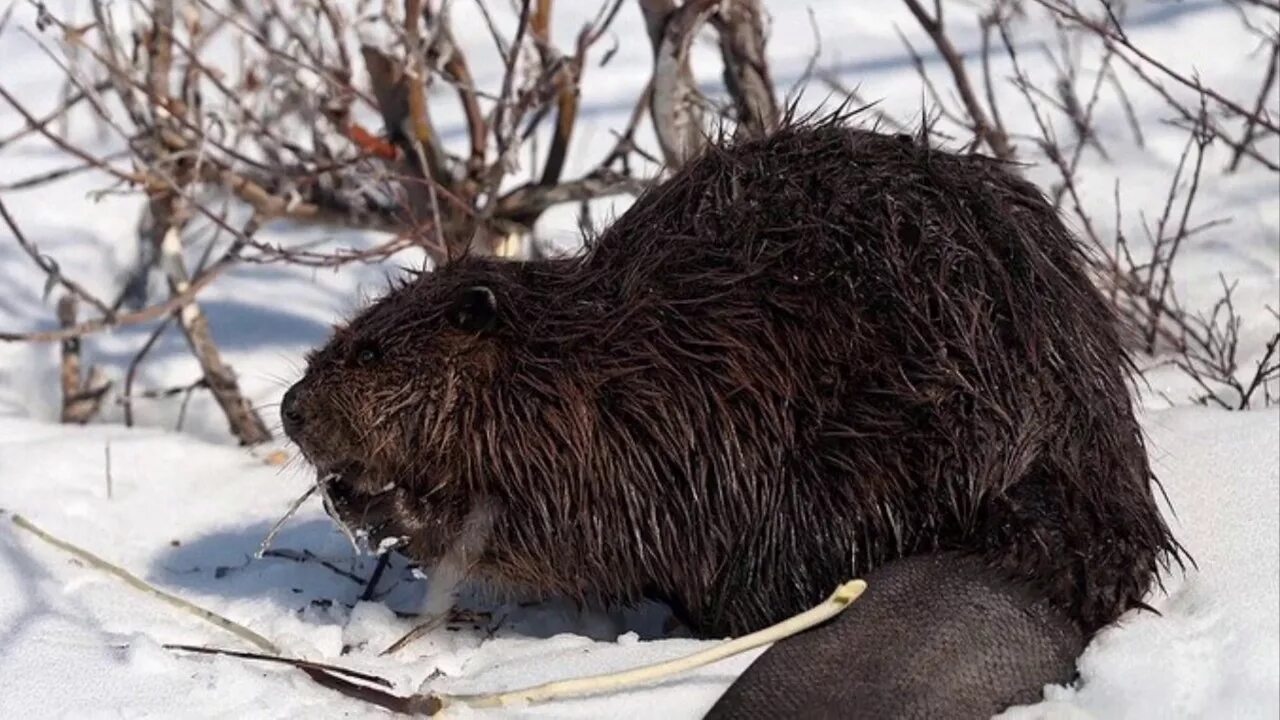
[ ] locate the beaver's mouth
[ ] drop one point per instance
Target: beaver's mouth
(360, 515)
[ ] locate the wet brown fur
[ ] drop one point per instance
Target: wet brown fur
(796, 360)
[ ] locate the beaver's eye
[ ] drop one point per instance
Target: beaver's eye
(365, 354)
(474, 310)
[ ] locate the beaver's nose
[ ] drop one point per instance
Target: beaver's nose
(290, 415)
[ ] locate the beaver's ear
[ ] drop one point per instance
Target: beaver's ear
(474, 310)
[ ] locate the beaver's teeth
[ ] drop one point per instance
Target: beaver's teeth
(388, 544)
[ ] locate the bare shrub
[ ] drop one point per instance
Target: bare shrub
(1140, 283)
(276, 126)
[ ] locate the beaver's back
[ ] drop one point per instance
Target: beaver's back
(910, 356)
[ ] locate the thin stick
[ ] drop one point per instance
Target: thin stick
(372, 585)
(175, 302)
(1114, 35)
(839, 600)
(992, 134)
(129, 578)
(275, 529)
(422, 628)
(132, 371)
(50, 268)
(1259, 107)
(307, 556)
(335, 669)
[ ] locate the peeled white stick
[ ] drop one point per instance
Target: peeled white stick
(839, 600)
(293, 508)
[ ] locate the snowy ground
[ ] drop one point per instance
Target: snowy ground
(186, 509)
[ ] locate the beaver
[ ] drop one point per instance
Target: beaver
(821, 354)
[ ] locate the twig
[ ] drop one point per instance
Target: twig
(508, 78)
(50, 267)
(81, 394)
(431, 704)
(1163, 261)
(36, 124)
(307, 556)
(567, 76)
(994, 136)
(1112, 35)
(132, 371)
(1259, 106)
(44, 178)
(371, 586)
(174, 303)
(1195, 119)
(431, 623)
(1266, 371)
(335, 669)
(1130, 114)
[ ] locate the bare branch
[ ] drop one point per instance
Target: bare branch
(674, 103)
(1113, 36)
(1259, 106)
(746, 69)
(994, 136)
(51, 268)
(81, 396)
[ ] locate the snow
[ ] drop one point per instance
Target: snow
(186, 509)
(187, 516)
(1213, 650)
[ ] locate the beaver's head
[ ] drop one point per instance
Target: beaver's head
(387, 408)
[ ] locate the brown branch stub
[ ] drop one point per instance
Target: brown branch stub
(412, 79)
(458, 72)
(567, 74)
(675, 104)
(740, 24)
(422, 166)
(81, 395)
